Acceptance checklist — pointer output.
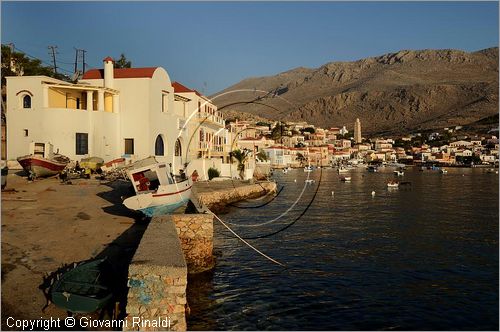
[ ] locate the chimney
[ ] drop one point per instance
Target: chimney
(108, 72)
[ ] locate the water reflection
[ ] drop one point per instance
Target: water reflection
(424, 257)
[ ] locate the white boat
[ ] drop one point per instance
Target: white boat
(157, 190)
(309, 181)
(345, 178)
(342, 170)
(443, 171)
(308, 168)
(392, 184)
(399, 173)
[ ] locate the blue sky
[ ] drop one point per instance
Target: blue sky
(212, 45)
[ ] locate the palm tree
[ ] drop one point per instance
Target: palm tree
(241, 157)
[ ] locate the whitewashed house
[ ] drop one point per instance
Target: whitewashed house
(110, 113)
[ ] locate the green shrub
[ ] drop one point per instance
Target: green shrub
(213, 173)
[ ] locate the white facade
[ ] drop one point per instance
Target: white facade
(122, 112)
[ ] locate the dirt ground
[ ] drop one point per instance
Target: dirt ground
(46, 224)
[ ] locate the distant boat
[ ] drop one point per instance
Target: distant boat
(345, 178)
(399, 173)
(157, 190)
(392, 184)
(342, 170)
(308, 169)
(309, 181)
(443, 171)
(42, 161)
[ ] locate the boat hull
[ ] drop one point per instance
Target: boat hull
(164, 201)
(40, 166)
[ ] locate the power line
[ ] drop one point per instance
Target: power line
(53, 49)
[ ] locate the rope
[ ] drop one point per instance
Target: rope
(245, 242)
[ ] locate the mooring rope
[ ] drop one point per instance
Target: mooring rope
(245, 242)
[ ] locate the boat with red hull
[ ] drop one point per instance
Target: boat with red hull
(42, 161)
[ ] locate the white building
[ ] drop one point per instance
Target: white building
(130, 112)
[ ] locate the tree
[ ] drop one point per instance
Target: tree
(277, 131)
(262, 155)
(241, 157)
(123, 62)
(309, 130)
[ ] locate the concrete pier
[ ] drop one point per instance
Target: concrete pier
(157, 280)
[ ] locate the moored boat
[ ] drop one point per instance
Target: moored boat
(345, 178)
(372, 169)
(157, 190)
(342, 170)
(392, 184)
(42, 161)
(308, 168)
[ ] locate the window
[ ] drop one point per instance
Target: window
(77, 103)
(129, 146)
(164, 102)
(25, 132)
(82, 143)
(159, 146)
(178, 148)
(27, 101)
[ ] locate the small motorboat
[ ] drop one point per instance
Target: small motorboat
(392, 184)
(308, 169)
(345, 178)
(342, 170)
(80, 289)
(157, 190)
(309, 181)
(42, 161)
(399, 173)
(443, 171)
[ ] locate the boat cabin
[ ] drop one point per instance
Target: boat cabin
(148, 178)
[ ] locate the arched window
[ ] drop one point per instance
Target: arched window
(27, 101)
(178, 148)
(159, 146)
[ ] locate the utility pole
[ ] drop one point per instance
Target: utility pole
(76, 59)
(83, 61)
(53, 49)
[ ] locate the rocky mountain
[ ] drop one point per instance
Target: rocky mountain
(393, 93)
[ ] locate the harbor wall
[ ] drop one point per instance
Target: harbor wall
(218, 199)
(196, 233)
(157, 279)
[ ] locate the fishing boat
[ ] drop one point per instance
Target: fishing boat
(42, 161)
(392, 184)
(399, 173)
(157, 190)
(80, 289)
(345, 178)
(308, 169)
(92, 163)
(342, 170)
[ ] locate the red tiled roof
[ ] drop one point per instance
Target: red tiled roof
(179, 88)
(121, 73)
(109, 59)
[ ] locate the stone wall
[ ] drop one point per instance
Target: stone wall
(157, 280)
(216, 200)
(196, 233)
